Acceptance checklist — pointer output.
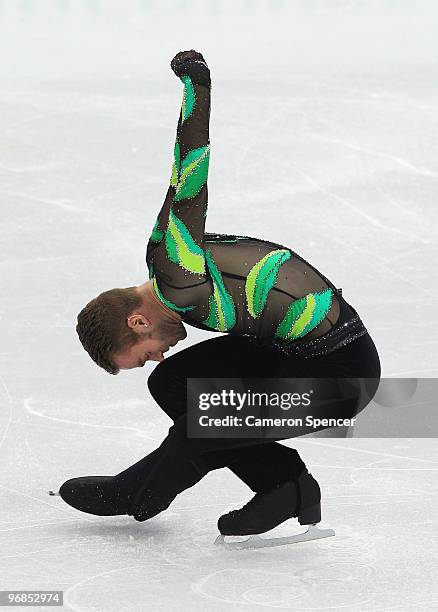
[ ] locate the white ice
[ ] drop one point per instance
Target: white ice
(324, 138)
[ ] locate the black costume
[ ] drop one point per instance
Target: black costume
(283, 318)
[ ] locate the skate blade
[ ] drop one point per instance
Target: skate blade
(256, 541)
(54, 493)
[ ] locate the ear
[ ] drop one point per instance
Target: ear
(137, 322)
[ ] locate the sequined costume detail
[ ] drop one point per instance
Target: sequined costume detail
(193, 173)
(156, 234)
(228, 283)
(168, 303)
(188, 102)
(304, 314)
(261, 279)
(175, 166)
(222, 314)
(181, 248)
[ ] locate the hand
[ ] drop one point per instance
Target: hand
(192, 64)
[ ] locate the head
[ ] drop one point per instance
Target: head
(122, 329)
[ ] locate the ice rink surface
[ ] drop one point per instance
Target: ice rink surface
(324, 138)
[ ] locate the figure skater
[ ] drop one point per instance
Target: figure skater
(279, 317)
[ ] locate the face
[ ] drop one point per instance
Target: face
(154, 341)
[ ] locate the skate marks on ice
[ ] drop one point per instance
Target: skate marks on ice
(374, 559)
(201, 573)
(308, 578)
(361, 569)
(414, 233)
(257, 541)
(29, 406)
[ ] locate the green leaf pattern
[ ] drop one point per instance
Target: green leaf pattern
(304, 314)
(181, 248)
(193, 173)
(157, 234)
(176, 164)
(261, 279)
(167, 302)
(222, 313)
(189, 98)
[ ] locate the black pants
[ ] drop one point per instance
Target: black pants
(179, 462)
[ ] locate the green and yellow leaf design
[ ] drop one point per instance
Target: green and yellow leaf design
(222, 313)
(176, 163)
(189, 98)
(157, 234)
(262, 278)
(304, 314)
(167, 302)
(193, 173)
(181, 248)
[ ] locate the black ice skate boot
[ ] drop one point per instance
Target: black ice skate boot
(94, 495)
(301, 498)
(148, 504)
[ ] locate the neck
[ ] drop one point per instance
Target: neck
(151, 300)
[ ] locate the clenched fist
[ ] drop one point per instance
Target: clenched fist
(192, 64)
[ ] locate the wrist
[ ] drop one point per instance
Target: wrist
(193, 65)
(197, 71)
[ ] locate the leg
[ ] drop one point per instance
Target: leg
(185, 461)
(358, 360)
(260, 466)
(181, 462)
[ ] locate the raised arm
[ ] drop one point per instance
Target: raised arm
(175, 253)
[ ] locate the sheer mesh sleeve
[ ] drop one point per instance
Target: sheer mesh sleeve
(234, 284)
(175, 252)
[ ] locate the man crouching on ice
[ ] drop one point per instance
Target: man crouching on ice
(281, 318)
